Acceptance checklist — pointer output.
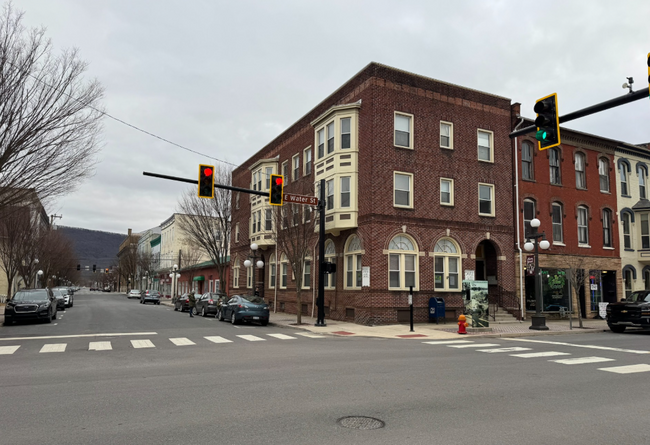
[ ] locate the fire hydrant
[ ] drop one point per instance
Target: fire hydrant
(462, 324)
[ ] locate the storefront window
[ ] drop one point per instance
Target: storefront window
(555, 291)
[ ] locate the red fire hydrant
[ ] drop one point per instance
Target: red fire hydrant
(462, 324)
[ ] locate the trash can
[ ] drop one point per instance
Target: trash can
(436, 309)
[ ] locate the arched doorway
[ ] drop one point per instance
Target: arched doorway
(486, 262)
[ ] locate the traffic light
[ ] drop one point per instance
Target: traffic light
(106, 271)
(94, 268)
(547, 122)
(206, 181)
(275, 193)
(78, 266)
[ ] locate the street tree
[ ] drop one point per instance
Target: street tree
(15, 238)
(55, 257)
(295, 237)
(208, 221)
(50, 116)
(577, 274)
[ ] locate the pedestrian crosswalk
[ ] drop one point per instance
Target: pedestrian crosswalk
(152, 343)
(550, 356)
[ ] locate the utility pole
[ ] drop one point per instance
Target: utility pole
(53, 217)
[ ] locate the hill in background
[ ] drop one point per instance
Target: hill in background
(94, 246)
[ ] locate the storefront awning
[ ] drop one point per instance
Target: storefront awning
(199, 278)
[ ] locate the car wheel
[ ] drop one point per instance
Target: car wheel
(49, 319)
(203, 312)
(264, 323)
(233, 319)
(7, 323)
(219, 315)
(617, 329)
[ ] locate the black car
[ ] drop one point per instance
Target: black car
(182, 303)
(60, 295)
(151, 296)
(209, 303)
(249, 308)
(634, 311)
(31, 304)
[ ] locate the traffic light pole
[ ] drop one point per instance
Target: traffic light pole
(612, 103)
(195, 182)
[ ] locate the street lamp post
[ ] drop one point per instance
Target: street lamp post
(533, 242)
(39, 274)
(174, 276)
(259, 264)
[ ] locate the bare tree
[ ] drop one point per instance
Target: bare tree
(208, 221)
(191, 256)
(295, 237)
(55, 256)
(577, 274)
(15, 237)
(49, 116)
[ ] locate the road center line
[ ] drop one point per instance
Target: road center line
(78, 336)
(602, 348)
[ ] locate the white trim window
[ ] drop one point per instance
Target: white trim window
(329, 194)
(581, 180)
(306, 274)
(402, 263)
(268, 219)
(249, 277)
(607, 228)
(403, 134)
(295, 174)
(272, 272)
(529, 214)
(267, 180)
(485, 146)
(446, 135)
(346, 133)
(486, 199)
(353, 255)
(603, 174)
(556, 217)
(403, 189)
(645, 231)
(345, 192)
(330, 257)
(623, 170)
(643, 176)
(527, 161)
(447, 262)
(554, 166)
(321, 143)
(583, 226)
(330, 137)
(307, 160)
(627, 232)
(235, 273)
(284, 269)
(236, 232)
(285, 170)
(446, 192)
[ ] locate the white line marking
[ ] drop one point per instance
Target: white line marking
(310, 335)
(7, 350)
(99, 346)
(138, 344)
(54, 347)
(217, 339)
(627, 369)
(582, 360)
(492, 351)
(282, 336)
(446, 342)
(476, 345)
(540, 354)
(182, 341)
(603, 348)
(251, 338)
(78, 336)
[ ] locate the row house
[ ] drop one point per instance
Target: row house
(418, 176)
(572, 190)
(148, 262)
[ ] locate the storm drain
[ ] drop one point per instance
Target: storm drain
(360, 422)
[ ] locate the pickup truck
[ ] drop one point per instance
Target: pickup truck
(633, 311)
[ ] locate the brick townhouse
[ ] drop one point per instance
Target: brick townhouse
(419, 179)
(571, 189)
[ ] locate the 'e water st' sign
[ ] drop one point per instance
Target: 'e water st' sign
(301, 199)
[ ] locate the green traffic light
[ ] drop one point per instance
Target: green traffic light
(541, 135)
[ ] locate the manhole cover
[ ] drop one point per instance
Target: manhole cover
(361, 422)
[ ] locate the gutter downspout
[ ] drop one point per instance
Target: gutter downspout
(521, 260)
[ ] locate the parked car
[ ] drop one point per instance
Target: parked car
(633, 311)
(182, 303)
(249, 308)
(31, 304)
(134, 293)
(209, 303)
(152, 296)
(107, 289)
(60, 295)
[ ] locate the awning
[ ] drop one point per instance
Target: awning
(199, 278)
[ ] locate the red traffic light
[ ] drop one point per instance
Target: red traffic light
(278, 180)
(207, 171)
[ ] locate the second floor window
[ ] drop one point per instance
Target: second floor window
(485, 146)
(345, 133)
(581, 182)
(627, 234)
(554, 165)
(296, 168)
(345, 191)
(645, 232)
(321, 143)
(603, 174)
(329, 191)
(622, 170)
(330, 137)
(529, 214)
(527, 161)
(307, 161)
(402, 193)
(268, 220)
(607, 228)
(486, 199)
(642, 173)
(583, 226)
(558, 235)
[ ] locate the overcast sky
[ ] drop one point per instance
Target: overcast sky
(226, 77)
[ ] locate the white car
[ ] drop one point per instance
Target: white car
(135, 293)
(69, 301)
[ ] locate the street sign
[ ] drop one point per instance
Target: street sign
(301, 199)
(530, 265)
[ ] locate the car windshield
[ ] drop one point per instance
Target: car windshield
(254, 300)
(639, 297)
(40, 295)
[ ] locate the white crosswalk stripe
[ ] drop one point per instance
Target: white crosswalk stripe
(217, 339)
(446, 342)
(493, 351)
(54, 347)
(304, 334)
(540, 354)
(7, 350)
(474, 345)
(582, 360)
(100, 346)
(182, 341)
(629, 369)
(251, 338)
(282, 336)
(140, 344)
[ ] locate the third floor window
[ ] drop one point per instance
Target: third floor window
(603, 174)
(581, 181)
(554, 166)
(527, 161)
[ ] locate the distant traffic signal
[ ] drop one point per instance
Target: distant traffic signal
(547, 122)
(106, 270)
(275, 192)
(94, 268)
(206, 181)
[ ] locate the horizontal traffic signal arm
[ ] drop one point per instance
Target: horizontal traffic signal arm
(622, 100)
(195, 182)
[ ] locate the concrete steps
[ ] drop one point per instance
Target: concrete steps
(503, 317)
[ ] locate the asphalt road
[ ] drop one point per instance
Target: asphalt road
(286, 388)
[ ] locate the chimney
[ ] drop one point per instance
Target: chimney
(129, 233)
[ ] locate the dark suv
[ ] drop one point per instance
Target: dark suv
(31, 304)
(634, 311)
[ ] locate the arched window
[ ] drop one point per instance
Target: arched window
(554, 166)
(629, 274)
(306, 273)
(330, 257)
(646, 278)
(527, 161)
(642, 173)
(626, 217)
(446, 257)
(284, 270)
(529, 214)
(272, 272)
(603, 174)
(235, 272)
(581, 181)
(583, 225)
(623, 170)
(557, 216)
(402, 263)
(607, 228)
(645, 231)
(353, 263)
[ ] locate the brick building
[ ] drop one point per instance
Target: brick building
(419, 192)
(571, 189)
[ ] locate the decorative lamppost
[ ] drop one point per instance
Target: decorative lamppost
(174, 276)
(259, 264)
(533, 242)
(39, 274)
